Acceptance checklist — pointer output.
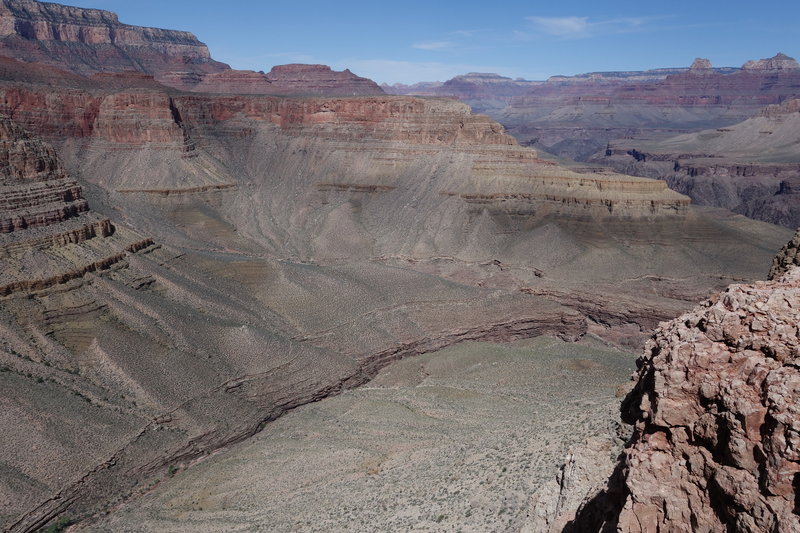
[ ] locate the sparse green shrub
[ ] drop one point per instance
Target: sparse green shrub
(58, 526)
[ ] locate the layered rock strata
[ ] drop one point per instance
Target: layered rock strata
(148, 118)
(401, 181)
(89, 41)
(293, 79)
(85, 41)
(47, 234)
(751, 167)
(715, 421)
(578, 119)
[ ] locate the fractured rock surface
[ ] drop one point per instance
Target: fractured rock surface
(715, 421)
(788, 257)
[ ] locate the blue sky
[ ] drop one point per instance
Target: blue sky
(409, 41)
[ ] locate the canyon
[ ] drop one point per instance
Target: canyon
(684, 126)
(576, 116)
(189, 252)
(751, 167)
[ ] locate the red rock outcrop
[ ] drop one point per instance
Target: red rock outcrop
(284, 80)
(700, 65)
(788, 257)
(778, 62)
(308, 80)
(716, 422)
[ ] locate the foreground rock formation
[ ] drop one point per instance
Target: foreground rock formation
(715, 421)
(788, 257)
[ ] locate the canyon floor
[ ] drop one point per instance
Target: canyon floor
(456, 440)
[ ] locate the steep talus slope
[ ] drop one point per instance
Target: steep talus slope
(751, 167)
(211, 362)
(122, 357)
(715, 421)
(456, 439)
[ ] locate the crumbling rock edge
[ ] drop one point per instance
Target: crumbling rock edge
(716, 419)
(788, 256)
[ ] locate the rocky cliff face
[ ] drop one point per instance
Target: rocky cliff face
(286, 80)
(148, 117)
(777, 63)
(47, 234)
(85, 41)
(88, 41)
(715, 421)
(319, 80)
(788, 257)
